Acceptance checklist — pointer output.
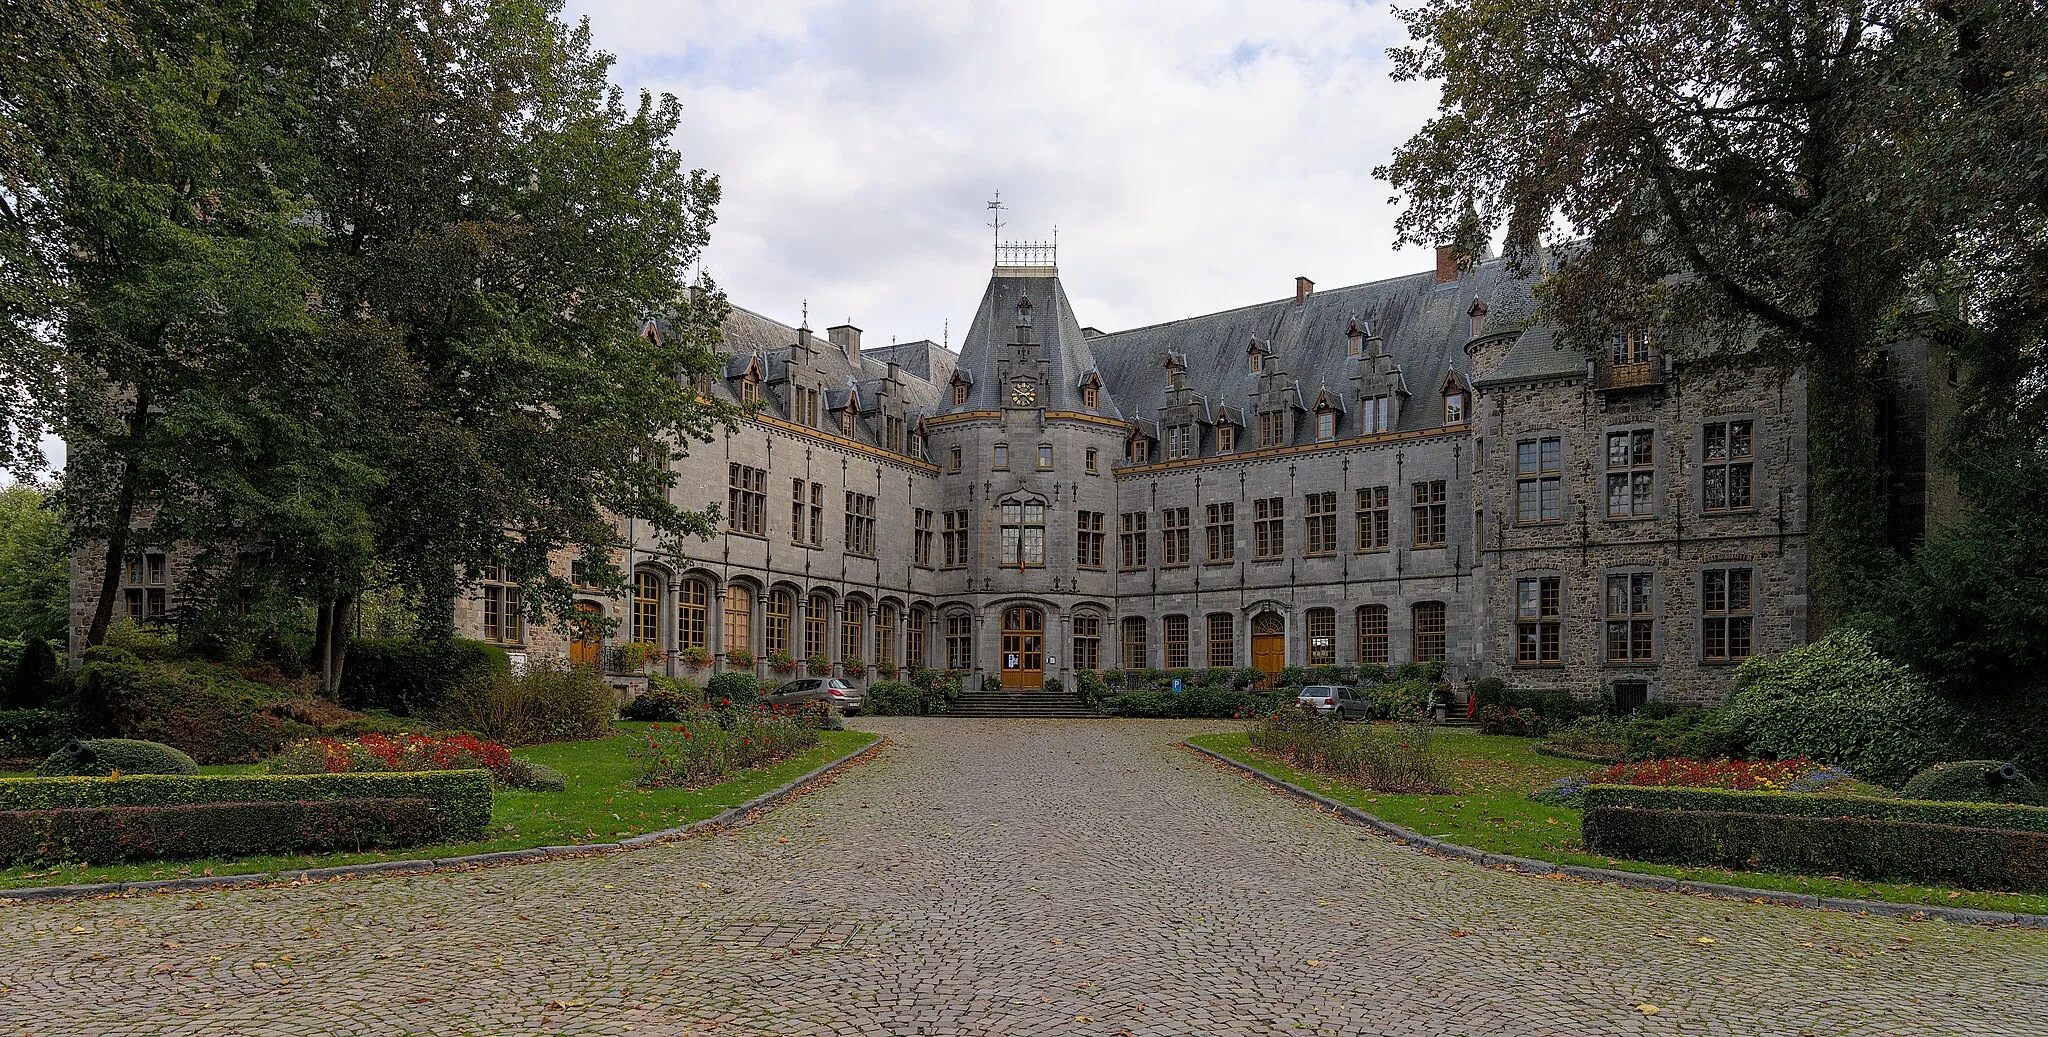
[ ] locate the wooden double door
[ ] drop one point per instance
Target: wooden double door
(1269, 642)
(1023, 648)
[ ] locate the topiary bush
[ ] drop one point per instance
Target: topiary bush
(551, 701)
(37, 678)
(738, 688)
(410, 676)
(1839, 701)
(103, 756)
(1973, 781)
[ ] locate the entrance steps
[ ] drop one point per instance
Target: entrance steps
(1018, 703)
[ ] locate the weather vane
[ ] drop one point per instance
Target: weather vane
(996, 206)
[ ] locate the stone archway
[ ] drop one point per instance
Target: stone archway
(1269, 642)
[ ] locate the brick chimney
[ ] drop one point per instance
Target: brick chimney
(846, 337)
(1302, 287)
(1447, 258)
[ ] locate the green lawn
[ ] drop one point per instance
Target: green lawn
(1489, 809)
(600, 804)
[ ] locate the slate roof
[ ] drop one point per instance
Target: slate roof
(1053, 327)
(1535, 356)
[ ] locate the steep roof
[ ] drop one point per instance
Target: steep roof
(1067, 350)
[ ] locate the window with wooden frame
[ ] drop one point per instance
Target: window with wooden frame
(750, 391)
(1090, 397)
(922, 538)
(1269, 531)
(1023, 534)
(1430, 513)
(1226, 438)
(1630, 348)
(1093, 465)
(1321, 523)
(1173, 537)
(646, 608)
(817, 614)
(1378, 413)
(1631, 617)
(1726, 621)
(146, 594)
(798, 500)
(913, 638)
(1454, 407)
(739, 618)
(1258, 357)
(1222, 530)
(747, 499)
(885, 634)
(1175, 635)
(1180, 442)
(860, 524)
(1631, 474)
(1134, 649)
(1375, 519)
(1133, 540)
(1045, 457)
(959, 642)
(817, 514)
(1322, 637)
(1087, 643)
(853, 630)
(959, 394)
(1272, 428)
(1222, 640)
(693, 614)
(1539, 480)
(504, 609)
(1138, 450)
(1727, 466)
(847, 416)
(1430, 632)
(954, 540)
(1372, 635)
(1088, 538)
(1326, 425)
(893, 434)
(1000, 460)
(1539, 621)
(806, 407)
(775, 630)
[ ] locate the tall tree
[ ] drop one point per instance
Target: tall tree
(1750, 176)
(35, 567)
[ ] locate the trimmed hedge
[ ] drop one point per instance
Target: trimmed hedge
(103, 756)
(1961, 815)
(1971, 781)
(1870, 848)
(109, 835)
(462, 797)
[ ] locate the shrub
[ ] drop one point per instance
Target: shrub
(1698, 733)
(34, 732)
(1526, 723)
(1963, 815)
(1385, 759)
(703, 751)
(1209, 702)
(103, 756)
(1054, 686)
(463, 797)
(1143, 704)
(664, 701)
(1971, 858)
(109, 835)
(537, 777)
(550, 702)
(207, 711)
(1328, 675)
(1840, 701)
(1093, 689)
(380, 754)
(1291, 677)
(1973, 781)
(37, 678)
(894, 699)
(1591, 738)
(411, 677)
(1555, 705)
(732, 686)
(1396, 700)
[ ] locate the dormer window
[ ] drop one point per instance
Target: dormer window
(1090, 397)
(1226, 438)
(750, 391)
(1272, 428)
(1326, 424)
(846, 420)
(1139, 451)
(959, 394)
(893, 437)
(1258, 361)
(1631, 347)
(1355, 337)
(1454, 408)
(1379, 413)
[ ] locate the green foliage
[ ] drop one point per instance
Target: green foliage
(1653, 734)
(1838, 701)
(1291, 677)
(1969, 858)
(463, 797)
(1092, 687)
(99, 757)
(1199, 701)
(894, 699)
(1398, 699)
(664, 701)
(34, 732)
(1965, 815)
(107, 835)
(1328, 675)
(35, 567)
(1972, 781)
(1400, 759)
(739, 688)
(706, 748)
(1053, 686)
(207, 711)
(550, 702)
(1555, 705)
(1151, 704)
(536, 777)
(37, 677)
(410, 676)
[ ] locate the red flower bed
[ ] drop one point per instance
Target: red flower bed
(376, 753)
(1759, 775)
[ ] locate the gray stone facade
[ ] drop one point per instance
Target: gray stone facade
(1386, 472)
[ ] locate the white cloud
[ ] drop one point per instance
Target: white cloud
(1195, 156)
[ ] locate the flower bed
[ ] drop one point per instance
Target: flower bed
(379, 754)
(708, 746)
(1794, 775)
(1385, 759)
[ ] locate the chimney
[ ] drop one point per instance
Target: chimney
(1447, 261)
(803, 340)
(846, 337)
(1302, 287)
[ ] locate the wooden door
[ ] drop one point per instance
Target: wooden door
(1269, 642)
(1023, 648)
(585, 644)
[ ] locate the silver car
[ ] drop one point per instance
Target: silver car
(843, 696)
(1345, 703)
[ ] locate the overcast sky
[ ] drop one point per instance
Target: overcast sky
(1194, 155)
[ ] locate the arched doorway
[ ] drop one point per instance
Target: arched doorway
(586, 642)
(1023, 647)
(1269, 642)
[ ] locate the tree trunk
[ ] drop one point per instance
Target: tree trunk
(117, 534)
(1845, 472)
(336, 617)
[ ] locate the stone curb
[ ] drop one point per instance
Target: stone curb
(475, 860)
(1659, 883)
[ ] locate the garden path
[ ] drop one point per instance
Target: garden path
(1005, 877)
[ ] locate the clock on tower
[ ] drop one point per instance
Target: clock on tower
(1023, 394)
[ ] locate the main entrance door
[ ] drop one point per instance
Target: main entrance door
(1023, 647)
(585, 643)
(1269, 642)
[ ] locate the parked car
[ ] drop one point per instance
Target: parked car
(1346, 703)
(839, 693)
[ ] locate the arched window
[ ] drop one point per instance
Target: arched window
(1322, 637)
(775, 637)
(693, 604)
(739, 618)
(1372, 635)
(1429, 632)
(853, 632)
(885, 635)
(816, 608)
(646, 608)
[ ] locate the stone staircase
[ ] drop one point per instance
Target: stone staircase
(1017, 703)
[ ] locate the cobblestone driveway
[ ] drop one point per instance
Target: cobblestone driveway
(1004, 877)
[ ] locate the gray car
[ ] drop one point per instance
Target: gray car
(842, 695)
(1345, 703)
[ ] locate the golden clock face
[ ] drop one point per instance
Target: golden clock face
(1023, 394)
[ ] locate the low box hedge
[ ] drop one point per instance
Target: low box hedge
(1927, 812)
(1862, 847)
(463, 798)
(110, 835)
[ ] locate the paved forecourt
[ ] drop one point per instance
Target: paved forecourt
(1005, 877)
